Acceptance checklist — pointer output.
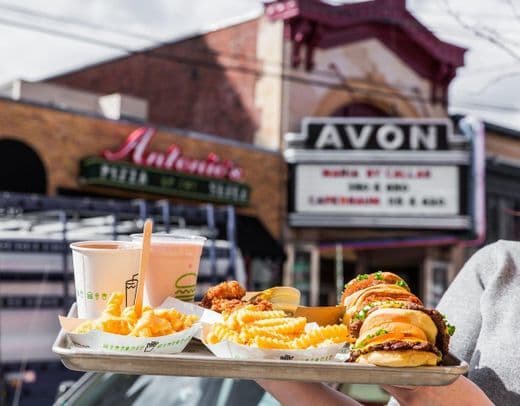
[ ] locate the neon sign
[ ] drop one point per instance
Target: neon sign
(135, 149)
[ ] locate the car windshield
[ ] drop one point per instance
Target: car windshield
(114, 389)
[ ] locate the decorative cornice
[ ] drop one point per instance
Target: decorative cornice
(316, 24)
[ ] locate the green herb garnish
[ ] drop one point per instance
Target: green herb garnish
(362, 314)
(362, 277)
(381, 331)
(451, 329)
(379, 275)
(402, 284)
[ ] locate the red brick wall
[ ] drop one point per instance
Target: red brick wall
(188, 85)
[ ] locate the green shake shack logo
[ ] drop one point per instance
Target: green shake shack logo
(185, 286)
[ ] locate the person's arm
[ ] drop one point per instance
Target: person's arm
(461, 305)
(461, 302)
(462, 392)
(290, 393)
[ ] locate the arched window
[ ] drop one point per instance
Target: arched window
(359, 110)
(21, 169)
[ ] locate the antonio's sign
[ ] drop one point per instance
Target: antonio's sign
(168, 173)
(135, 149)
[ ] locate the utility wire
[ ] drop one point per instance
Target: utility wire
(332, 73)
(169, 56)
(153, 40)
(172, 57)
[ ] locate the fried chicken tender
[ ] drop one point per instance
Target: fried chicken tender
(226, 297)
(225, 290)
(261, 304)
(225, 305)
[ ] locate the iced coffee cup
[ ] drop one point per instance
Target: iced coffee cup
(173, 268)
(103, 267)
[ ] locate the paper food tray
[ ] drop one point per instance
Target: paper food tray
(196, 360)
(102, 341)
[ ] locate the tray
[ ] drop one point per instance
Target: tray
(196, 360)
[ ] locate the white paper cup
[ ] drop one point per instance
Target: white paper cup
(103, 267)
(173, 268)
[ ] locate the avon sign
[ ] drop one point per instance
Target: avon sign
(134, 148)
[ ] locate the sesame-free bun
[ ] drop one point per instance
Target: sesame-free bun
(358, 296)
(355, 302)
(406, 358)
(378, 278)
(386, 318)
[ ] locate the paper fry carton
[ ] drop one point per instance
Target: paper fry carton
(168, 344)
(228, 349)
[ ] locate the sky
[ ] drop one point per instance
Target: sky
(488, 85)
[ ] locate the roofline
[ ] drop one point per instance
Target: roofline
(496, 128)
(341, 16)
(231, 22)
(176, 131)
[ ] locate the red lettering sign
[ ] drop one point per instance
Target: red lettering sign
(134, 149)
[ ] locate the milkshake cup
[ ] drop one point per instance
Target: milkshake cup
(173, 267)
(103, 267)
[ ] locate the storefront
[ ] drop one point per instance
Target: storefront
(49, 151)
(97, 178)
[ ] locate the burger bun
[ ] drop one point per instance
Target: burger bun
(406, 358)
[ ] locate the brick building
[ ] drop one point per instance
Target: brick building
(190, 83)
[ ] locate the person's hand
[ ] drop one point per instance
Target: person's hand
(462, 392)
(407, 395)
(294, 393)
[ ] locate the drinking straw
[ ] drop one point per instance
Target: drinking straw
(143, 265)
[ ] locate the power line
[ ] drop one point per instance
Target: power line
(154, 53)
(169, 56)
(65, 35)
(328, 74)
(77, 21)
(155, 41)
(491, 68)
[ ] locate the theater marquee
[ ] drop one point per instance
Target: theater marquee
(379, 172)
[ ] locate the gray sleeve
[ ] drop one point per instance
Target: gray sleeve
(461, 302)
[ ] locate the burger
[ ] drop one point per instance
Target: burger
(389, 325)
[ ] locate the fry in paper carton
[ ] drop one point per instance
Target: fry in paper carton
(273, 330)
(152, 323)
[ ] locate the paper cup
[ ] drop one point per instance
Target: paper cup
(173, 268)
(103, 267)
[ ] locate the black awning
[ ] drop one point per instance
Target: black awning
(255, 241)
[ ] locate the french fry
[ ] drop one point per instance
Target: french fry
(273, 330)
(152, 323)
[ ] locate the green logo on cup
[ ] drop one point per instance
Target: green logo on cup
(185, 286)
